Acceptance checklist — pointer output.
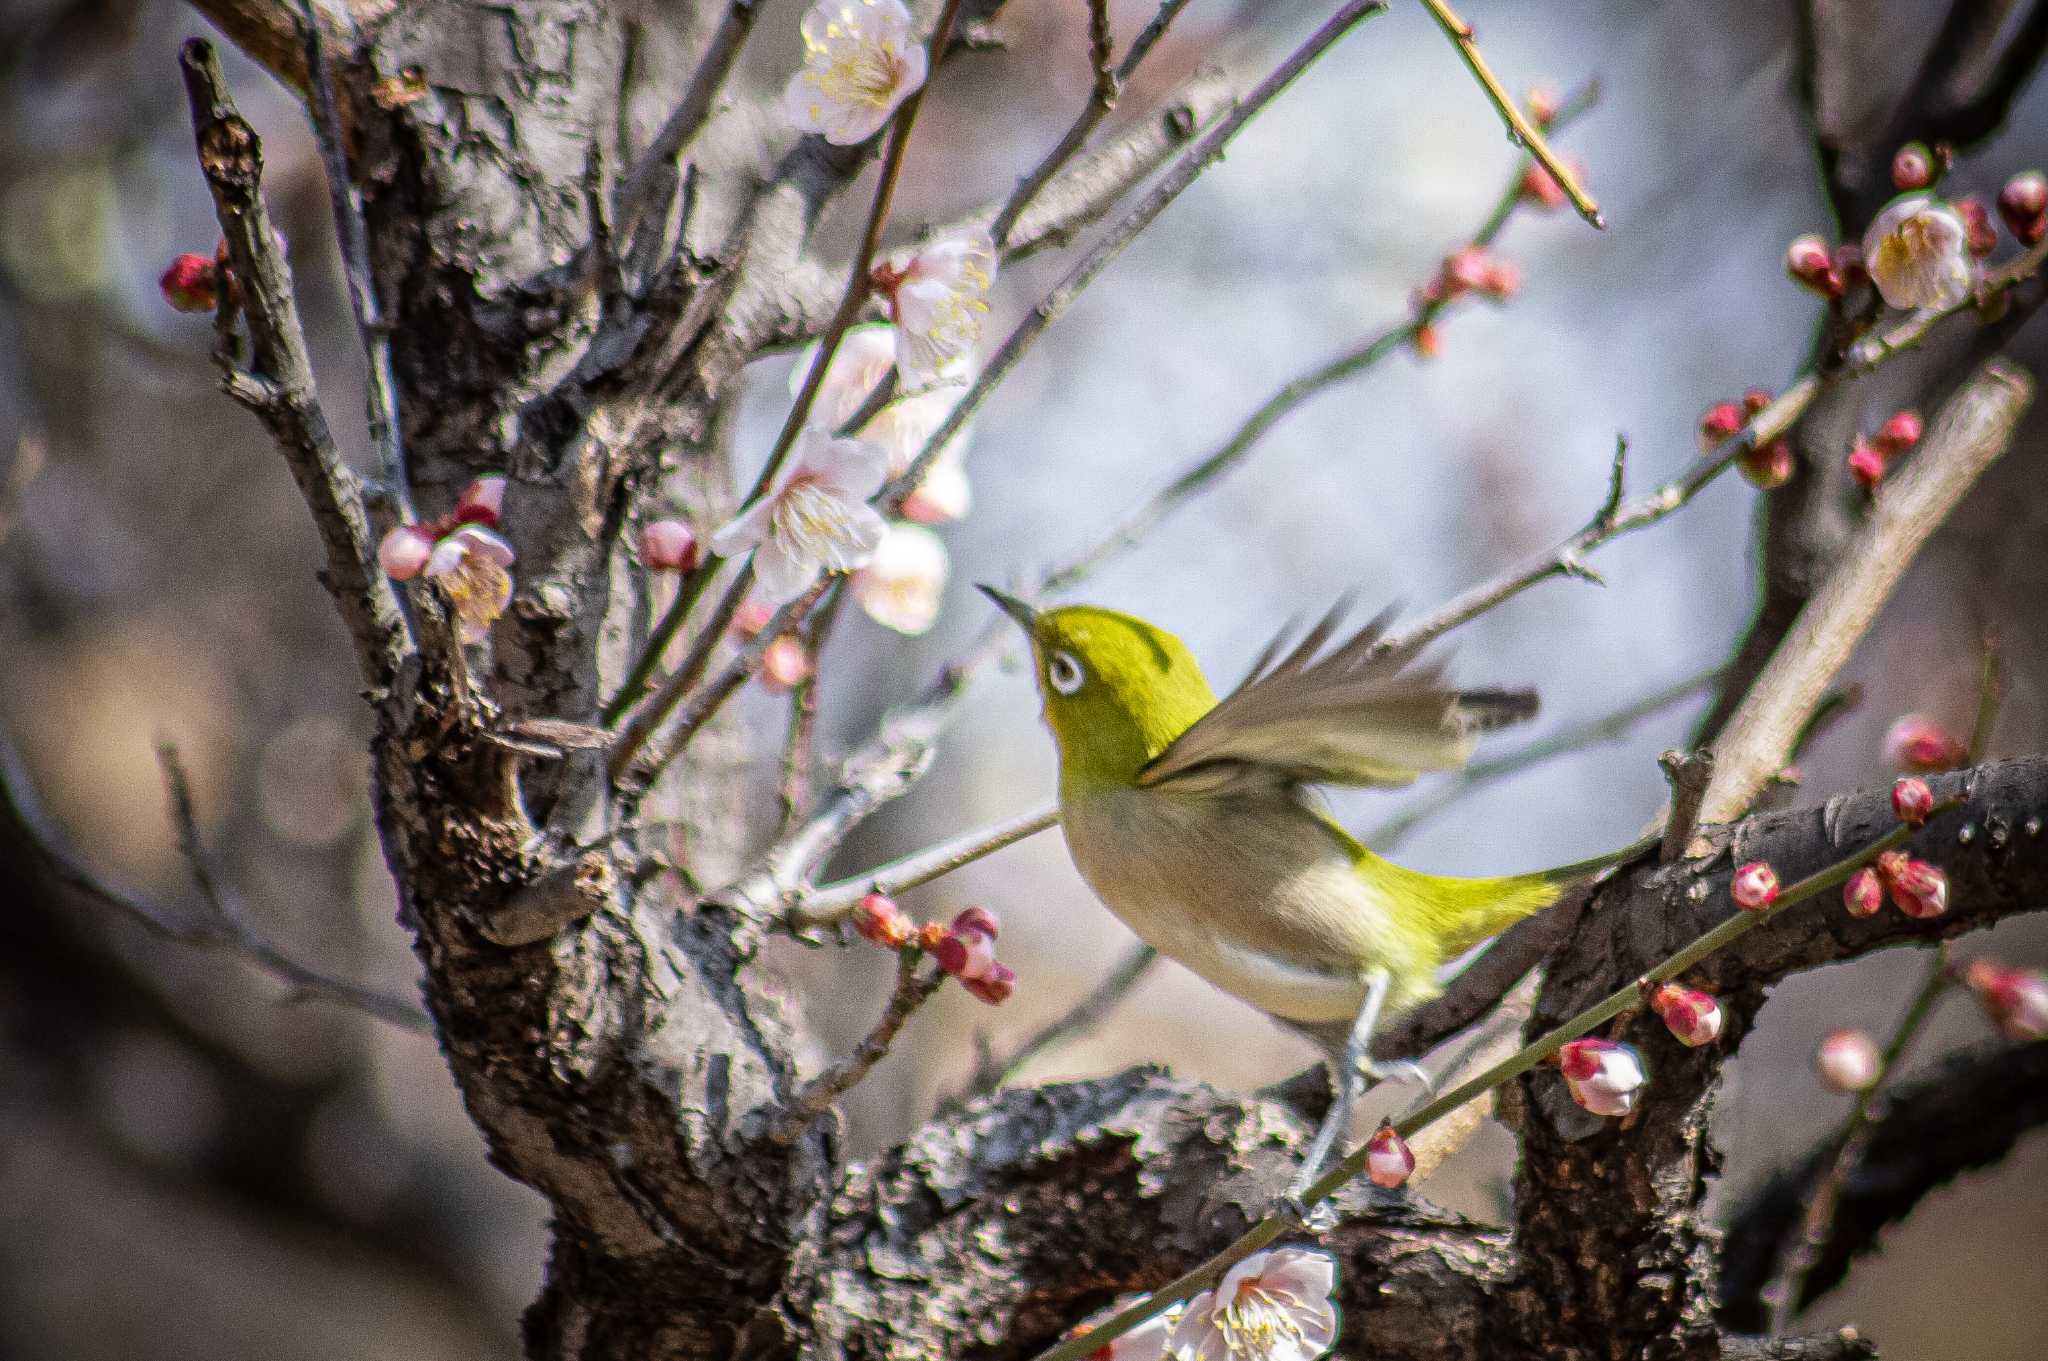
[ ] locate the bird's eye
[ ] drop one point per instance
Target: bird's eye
(1063, 673)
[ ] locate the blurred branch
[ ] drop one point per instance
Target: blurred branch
(798, 748)
(1849, 1143)
(222, 927)
(635, 190)
(279, 386)
(269, 30)
(1966, 1112)
(1521, 131)
(381, 392)
(1968, 434)
(808, 909)
(992, 1070)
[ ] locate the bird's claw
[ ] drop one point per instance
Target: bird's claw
(1318, 1219)
(1376, 1071)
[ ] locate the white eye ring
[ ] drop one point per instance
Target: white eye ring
(1063, 673)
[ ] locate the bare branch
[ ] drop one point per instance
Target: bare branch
(280, 387)
(807, 910)
(914, 987)
(632, 196)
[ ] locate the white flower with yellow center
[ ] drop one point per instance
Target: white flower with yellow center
(938, 297)
(472, 567)
(1272, 1306)
(864, 358)
(815, 517)
(901, 586)
(860, 62)
(1918, 253)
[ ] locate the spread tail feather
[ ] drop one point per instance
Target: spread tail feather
(1485, 710)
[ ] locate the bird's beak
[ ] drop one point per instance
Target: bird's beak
(1026, 617)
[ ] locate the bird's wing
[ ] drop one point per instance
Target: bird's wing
(1345, 717)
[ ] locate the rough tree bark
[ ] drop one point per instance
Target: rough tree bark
(631, 1065)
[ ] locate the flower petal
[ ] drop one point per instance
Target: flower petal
(744, 530)
(780, 575)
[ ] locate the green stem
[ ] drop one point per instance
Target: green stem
(1268, 1230)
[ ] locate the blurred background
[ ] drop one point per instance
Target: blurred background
(191, 1165)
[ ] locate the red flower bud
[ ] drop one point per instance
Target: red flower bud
(2023, 203)
(669, 546)
(1917, 743)
(785, 665)
(1769, 466)
(1808, 262)
(1912, 800)
(1863, 895)
(1848, 259)
(482, 502)
(1543, 103)
(2016, 1000)
(1981, 234)
(878, 919)
(993, 987)
(1920, 889)
(1720, 420)
(1755, 400)
(1913, 167)
(191, 284)
(1848, 1061)
(1900, 433)
(1388, 1159)
(1866, 464)
(404, 551)
(1465, 270)
(1694, 1018)
(1602, 1076)
(1429, 343)
(1540, 187)
(965, 954)
(1755, 886)
(752, 617)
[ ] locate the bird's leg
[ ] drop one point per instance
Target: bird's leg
(1354, 1067)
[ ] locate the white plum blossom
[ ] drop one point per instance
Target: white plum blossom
(901, 586)
(938, 296)
(860, 61)
(815, 517)
(1603, 1076)
(903, 426)
(1146, 1342)
(1918, 253)
(1272, 1306)
(472, 566)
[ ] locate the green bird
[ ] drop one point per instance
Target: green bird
(1193, 820)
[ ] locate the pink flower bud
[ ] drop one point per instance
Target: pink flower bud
(669, 546)
(1503, 279)
(1465, 270)
(976, 921)
(1900, 433)
(482, 502)
(1388, 1159)
(1808, 262)
(965, 954)
(1863, 894)
(2016, 1000)
(752, 617)
(993, 987)
(1429, 342)
(404, 551)
(878, 919)
(1866, 464)
(1540, 187)
(1848, 1061)
(1912, 167)
(1543, 103)
(1912, 800)
(1770, 466)
(1755, 886)
(1920, 889)
(191, 284)
(2023, 203)
(1980, 234)
(1755, 400)
(1603, 1076)
(1719, 422)
(1917, 743)
(1693, 1017)
(785, 665)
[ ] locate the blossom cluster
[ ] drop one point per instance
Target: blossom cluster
(461, 552)
(965, 949)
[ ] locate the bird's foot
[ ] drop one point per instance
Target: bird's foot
(1376, 1071)
(1293, 1203)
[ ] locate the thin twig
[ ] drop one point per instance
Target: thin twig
(860, 280)
(1848, 1146)
(808, 911)
(991, 1072)
(798, 746)
(1991, 683)
(223, 927)
(380, 386)
(1521, 131)
(689, 116)
(1626, 998)
(679, 682)
(1185, 171)
(279, 387)
(1689, 773)
(689, 590)
(1592, 733)
(914, 987)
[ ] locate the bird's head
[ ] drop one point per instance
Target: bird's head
(1116, 689)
